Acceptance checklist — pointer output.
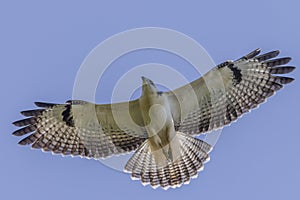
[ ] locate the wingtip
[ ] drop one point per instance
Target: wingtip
(24, 142)
(44, 104)
(24, 113)
(250, 55)
(277, 61)
(17, 123)
(287, 59)
(253, 53)
(288, 80)
(282, 70)
(276, 52)
(29, 113)
(17, 132)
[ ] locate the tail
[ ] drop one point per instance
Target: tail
(193, 153)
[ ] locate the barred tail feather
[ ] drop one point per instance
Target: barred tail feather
(193, 154)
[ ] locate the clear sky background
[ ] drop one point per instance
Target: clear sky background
(42, 45)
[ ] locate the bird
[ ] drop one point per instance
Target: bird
(159, 127)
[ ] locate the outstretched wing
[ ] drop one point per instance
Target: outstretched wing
(84, 129)
(227, 91)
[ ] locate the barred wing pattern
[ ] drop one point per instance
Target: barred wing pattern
(216, 99)
(228, 91)
(82, 128)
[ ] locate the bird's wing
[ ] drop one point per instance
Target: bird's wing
(83, 128)
(227, 91)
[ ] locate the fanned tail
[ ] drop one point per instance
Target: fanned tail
(193, 153)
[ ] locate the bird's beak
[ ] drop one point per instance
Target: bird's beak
(144, 79)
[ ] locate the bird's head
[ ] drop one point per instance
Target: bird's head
(148, 86)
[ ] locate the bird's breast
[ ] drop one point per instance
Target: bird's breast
(156, 114)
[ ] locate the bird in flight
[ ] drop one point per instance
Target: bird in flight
(160, 127)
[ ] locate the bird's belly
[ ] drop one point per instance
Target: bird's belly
(158, 121)
(161, 127)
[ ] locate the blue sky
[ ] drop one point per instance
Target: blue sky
(44, 43)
